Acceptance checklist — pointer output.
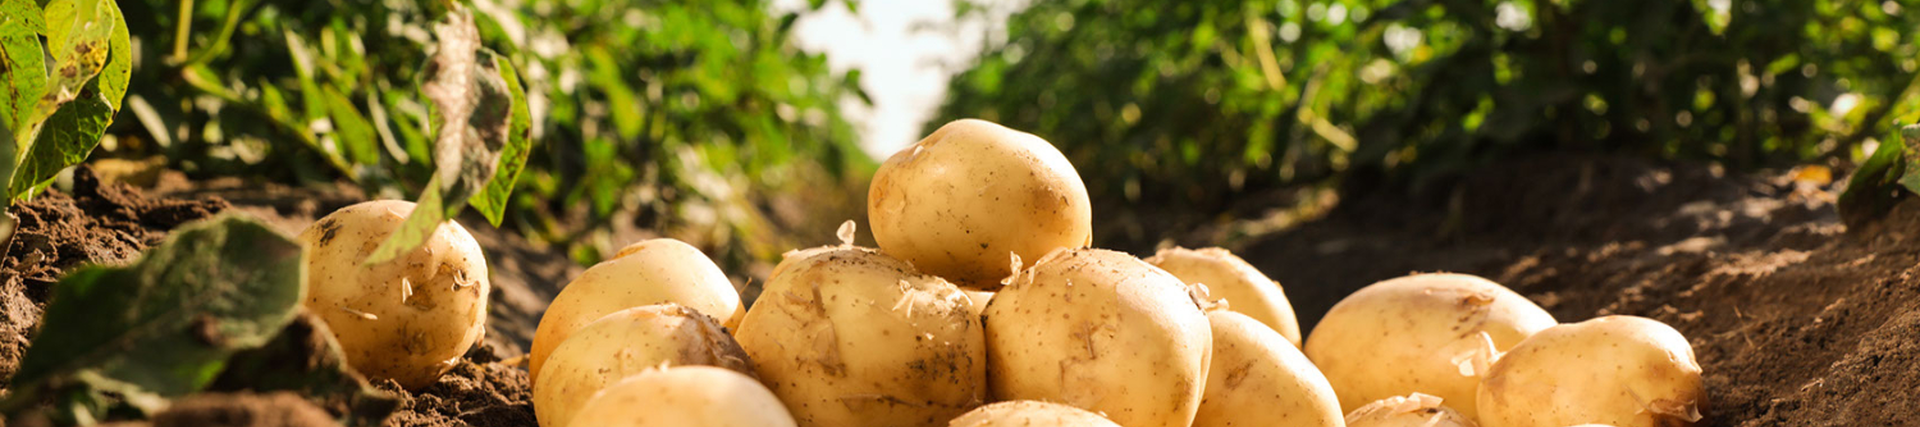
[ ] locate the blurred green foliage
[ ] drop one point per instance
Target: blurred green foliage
(648, 114)
(1198, 103)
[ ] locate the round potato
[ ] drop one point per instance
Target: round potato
(1623, 371)
(959, 202)
(1426, 333)
(649, 272)
(1102, 331)
(628, 342)
(847, 336)
(1228, 277)
(1414, 410)
(683, 396)
(1259, 379)
(408, 319)
(1027, 413)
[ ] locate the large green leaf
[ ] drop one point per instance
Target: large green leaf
(492, 200)
(65, 139)
(92, 61)
(168, 323)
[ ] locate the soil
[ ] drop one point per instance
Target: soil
(1795, 319)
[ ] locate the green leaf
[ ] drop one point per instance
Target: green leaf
(79, 38)
(168, 323)
(492, 200)
(65, 139)
(23, 64)
(353, 132)
(429, 213)
(1887, 176)
(305, 358)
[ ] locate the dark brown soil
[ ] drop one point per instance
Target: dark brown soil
(478, 394)
(1796, 320)
(94, 223)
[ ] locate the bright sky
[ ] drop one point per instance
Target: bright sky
(906, 50)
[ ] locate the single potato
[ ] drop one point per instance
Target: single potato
(1622, 371)
(1225, 276)
(959, 203)
(649, 272)
(684, 396)
(847, 336)
(1425, 333)
(1414, 410)
(628, 342)
(408, 319)
(1102, 331)
(1260, 379)
(1027, 413)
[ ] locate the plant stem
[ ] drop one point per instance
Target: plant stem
(182, 30)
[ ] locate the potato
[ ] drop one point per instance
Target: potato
(959, 202)
(649, 272)
(682, 396)
(1623, 371)
(1102, 331)
(1425, 333)
(408, 319)
(1414, 410)
(628, 342)
(1259, 379)
(1027, 413)
(847, 336)
(1228, 277)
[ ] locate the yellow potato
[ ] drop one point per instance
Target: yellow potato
(847, 336)
(1425, 333)
(684, 396)
(649, 272)
(960, 202)
(1414, 410)
(1228, 277)
(1027, 413)
(1102, 331)
(1259, 379)
(624, 343)
(1623, 371)
(408, 319)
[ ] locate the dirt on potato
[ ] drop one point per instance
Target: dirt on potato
(1796, 319)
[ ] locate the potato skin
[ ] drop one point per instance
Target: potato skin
(1028, 413)
(1102, 331)
(1414, 410)
(847, 336)
(1226, 276)
(1425, 333)
(1622, 371)
(1259, 379)
(649, 272)
(684, 396)
(628, 342)
(408, 319)
(957, 203)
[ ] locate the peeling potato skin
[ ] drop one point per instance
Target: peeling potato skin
(960, 202)
(1259, 379)
(650, 272)
(1411, 334)
(625, 343)
(684, 396)
(1414, 410)
(1246, 290)
(1102, 331)
(1028, 413)
(408, 319)
(1622, 371)
(846, 336)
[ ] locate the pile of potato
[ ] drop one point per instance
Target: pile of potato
(985, 305)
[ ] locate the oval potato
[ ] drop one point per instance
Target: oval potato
(1028, 413)
(408, 319)
(680, 396)
(1623, 371)
(1260, 379)
(1228, 277)
(628, 342)
(1425, 333)
(959, 202)
(649, 272)
(1102, 331)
